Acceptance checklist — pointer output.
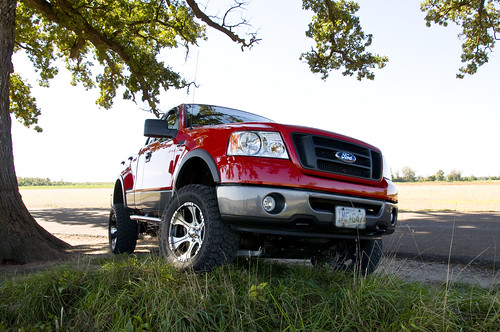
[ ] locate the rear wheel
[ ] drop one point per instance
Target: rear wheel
(192, 234)
(357, 255)
(122, 231)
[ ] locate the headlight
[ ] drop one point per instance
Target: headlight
(386, 170)
(257, 143)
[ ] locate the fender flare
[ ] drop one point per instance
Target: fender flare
(198, 153)
(123, 195)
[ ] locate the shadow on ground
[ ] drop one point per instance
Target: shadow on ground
(99, 246)
(73, 221)
(447, 236)
(431, 236)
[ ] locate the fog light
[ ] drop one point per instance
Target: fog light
(269, 204)
(394, 217)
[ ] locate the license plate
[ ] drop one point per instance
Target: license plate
(348, 217)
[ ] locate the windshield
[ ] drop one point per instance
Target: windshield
(206, 115)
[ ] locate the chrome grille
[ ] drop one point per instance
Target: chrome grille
(319, 153)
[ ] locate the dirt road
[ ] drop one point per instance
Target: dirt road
(464, 238)
(419, 250)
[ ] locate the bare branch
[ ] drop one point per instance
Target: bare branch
(225, 29)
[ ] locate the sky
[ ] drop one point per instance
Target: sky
(415, 110)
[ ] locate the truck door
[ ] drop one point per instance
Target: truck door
(155, 170)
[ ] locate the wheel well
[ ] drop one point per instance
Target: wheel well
(118, 193)
(194, 171)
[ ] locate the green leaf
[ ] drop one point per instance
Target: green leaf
(256, 292)
(340, 41)
(479, 21)
(22, 103)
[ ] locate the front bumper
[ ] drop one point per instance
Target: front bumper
(301, 212)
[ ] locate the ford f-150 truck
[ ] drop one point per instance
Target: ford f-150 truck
(213, 182)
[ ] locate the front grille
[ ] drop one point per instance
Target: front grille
(319, 153)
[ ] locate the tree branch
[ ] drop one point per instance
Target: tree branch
(329, 10)
(335, 50)
(221, 27)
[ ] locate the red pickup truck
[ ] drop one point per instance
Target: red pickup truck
(213, 182)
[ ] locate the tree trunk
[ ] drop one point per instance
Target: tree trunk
(22, 240)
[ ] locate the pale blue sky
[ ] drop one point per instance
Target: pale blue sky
(415, 110)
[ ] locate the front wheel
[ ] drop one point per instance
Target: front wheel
(357, 255)
(192, 234)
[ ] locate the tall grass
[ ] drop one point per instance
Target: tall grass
(142, 293)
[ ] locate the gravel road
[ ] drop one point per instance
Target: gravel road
(419, 250)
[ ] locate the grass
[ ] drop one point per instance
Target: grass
(142, 293)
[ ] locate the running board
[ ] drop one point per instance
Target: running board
(145, 218)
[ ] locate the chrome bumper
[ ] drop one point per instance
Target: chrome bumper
(243, 204)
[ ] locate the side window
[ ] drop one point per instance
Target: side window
(172, 118)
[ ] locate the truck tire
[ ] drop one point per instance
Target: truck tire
(122, 231)
(369, 256)
(192, 234)
(361, 256)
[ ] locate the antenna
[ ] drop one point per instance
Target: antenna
(196, 73)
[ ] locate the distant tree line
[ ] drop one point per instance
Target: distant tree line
(25, 182)
(407, 174)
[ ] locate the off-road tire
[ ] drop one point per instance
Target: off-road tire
(122, 231)
(369, 255)
(192, 234)
(360, 256)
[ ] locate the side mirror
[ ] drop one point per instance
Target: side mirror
(158, 128)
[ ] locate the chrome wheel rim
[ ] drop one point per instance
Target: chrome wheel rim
(186, 232)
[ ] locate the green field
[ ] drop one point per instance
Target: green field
(79, 185)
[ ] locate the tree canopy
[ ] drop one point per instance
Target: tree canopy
(479, 21)
(125, 37)
(340, 40)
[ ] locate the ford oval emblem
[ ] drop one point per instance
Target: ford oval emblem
(346, 157)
